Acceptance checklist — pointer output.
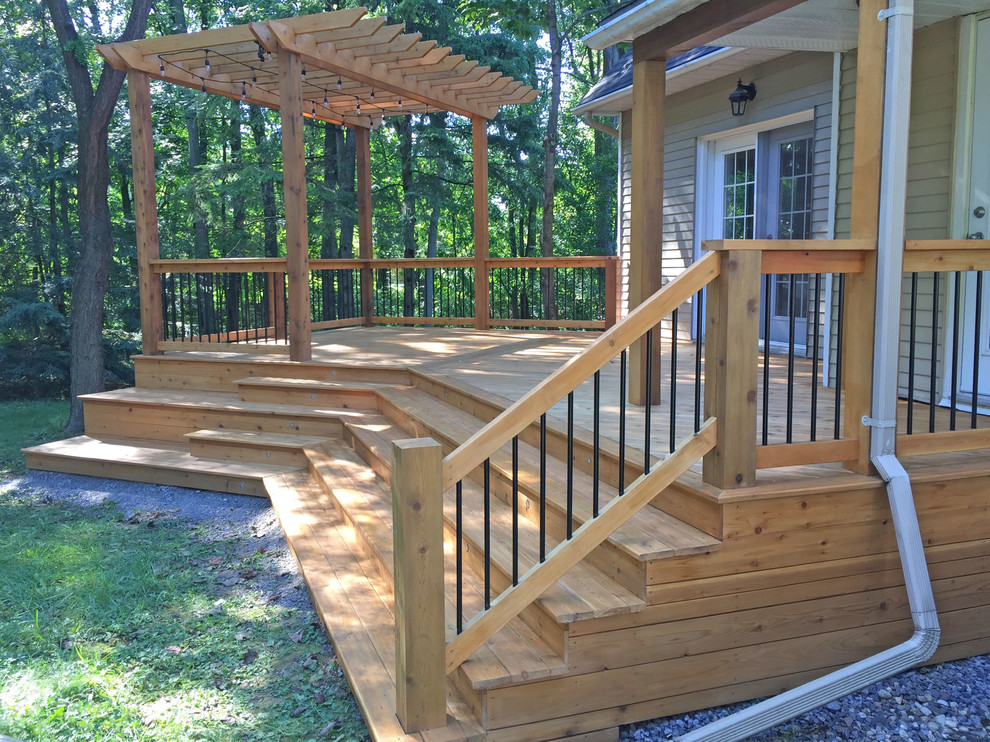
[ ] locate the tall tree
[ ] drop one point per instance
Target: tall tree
(94, 108)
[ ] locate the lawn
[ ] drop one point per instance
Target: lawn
(151, 628)
(26, 423)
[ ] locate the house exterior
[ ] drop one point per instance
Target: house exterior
(803, 64)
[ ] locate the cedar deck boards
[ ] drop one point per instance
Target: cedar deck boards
(744, 593)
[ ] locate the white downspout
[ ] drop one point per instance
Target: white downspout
(924, 641)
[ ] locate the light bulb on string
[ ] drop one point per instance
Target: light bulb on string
(207, 60)
(304, 73)
(254, 76)
(161, 64)
(338, 82)
(400, 104)
(243, 90)
(326, 102)
(204, 84)
(261, 52)
(372, 95)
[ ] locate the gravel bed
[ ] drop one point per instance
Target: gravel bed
(950, 701)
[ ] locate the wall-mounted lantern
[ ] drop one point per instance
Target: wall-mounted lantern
(739, 97)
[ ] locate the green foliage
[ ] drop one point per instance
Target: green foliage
(128, 630)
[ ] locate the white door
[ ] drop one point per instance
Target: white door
(975, 341)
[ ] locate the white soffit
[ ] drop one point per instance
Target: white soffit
(637, 21)
(832, 25)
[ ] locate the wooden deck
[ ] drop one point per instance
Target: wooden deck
(704, 597)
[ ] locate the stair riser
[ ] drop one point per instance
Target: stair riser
(247, 453)
(355, 399)
(170, 372)
(146, 473)
(167, 423)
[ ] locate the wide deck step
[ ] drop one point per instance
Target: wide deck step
(141, 461)
(321, 393)
(251, 446)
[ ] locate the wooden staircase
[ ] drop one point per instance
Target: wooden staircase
(320, 448)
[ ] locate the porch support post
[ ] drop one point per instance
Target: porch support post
(366, 244)
(420, 647)
(479, 146)
(296, 216)
(646, 217)
(861, 288)
(732, 336)
(145, 210)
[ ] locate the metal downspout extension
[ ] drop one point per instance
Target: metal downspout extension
(925, 638)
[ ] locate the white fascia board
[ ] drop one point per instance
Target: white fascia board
(637, 21)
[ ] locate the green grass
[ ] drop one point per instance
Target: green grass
(27, 423)
(122, 630)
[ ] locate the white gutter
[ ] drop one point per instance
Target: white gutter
(638, 20)
(924, 641)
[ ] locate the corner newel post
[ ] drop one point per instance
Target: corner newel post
(145, 210)
(732, 336)
(479, 147)
(420, 643)
(296, 214)
(366, 245)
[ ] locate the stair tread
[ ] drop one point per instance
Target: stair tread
(650, 534)
(514, 653)
(157, 455)
(307, 383)
(254, 437)
(584, 592)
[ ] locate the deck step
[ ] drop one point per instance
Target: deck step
(362, 502)
(168, 415)
(252, 446)
(650, 535)
(140, 461)
(313, 392)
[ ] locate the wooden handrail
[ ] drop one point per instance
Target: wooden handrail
(219, 265)
(557, 385)
(811, 246)
(252, 265)
(946, 255)
(580, 261)
(566, 554)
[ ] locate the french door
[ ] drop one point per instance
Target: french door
(763, 188)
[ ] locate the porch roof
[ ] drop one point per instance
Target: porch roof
(814, 25)
(356, 68)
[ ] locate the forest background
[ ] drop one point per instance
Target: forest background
(69, 313)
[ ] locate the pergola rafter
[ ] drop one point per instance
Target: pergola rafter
(342, 67)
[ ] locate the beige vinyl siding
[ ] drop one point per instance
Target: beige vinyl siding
(928, 210)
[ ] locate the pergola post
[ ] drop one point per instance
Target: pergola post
(145, 210)
(646, 217)
(296, 216)
(366, 245)
(479, 144)
(861, 288)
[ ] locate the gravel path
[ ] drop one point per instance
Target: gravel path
(944, 702)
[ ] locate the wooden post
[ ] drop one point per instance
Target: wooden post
(366, 245)
(417, 521)
(276, 301)
(296, 215)
(145, 210)
(732, 336)
(479, 145)
(861, 289)
(646, 213)
(612, 278)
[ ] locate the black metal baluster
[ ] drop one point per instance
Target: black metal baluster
(543, 487)
(488, 533)
(814, 356)
(976, 348)
(648, 409)
(767, 283)
(954, 368)
(459, 558)
(570, 464)
(912, 350)
(933, 369)
(182, 307)
(790, 358)
(837, 433)
(596, 453)
(673, 381)
(698, 350)
(622, 422)
(515, 510)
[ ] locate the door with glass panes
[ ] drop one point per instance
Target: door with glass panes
(764, 191)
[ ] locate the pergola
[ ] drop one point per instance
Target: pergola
(342, 67)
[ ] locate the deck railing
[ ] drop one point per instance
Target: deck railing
(246, 299)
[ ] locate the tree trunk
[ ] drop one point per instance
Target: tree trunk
(439, 123)
(328, 244)
(268, 206)
(407, 218)
(94, 109)
(346, 164)
(550, 160)
(236, 159)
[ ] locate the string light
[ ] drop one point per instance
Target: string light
(358, 103)
(243, 90)
(400, 104)
(304, 73)
(338, 82)
(254, 76)
(204, 84)
(326, 102)
(314, 110)
(207, 60)
(161, 64)
(372, 95)
(261, 52)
